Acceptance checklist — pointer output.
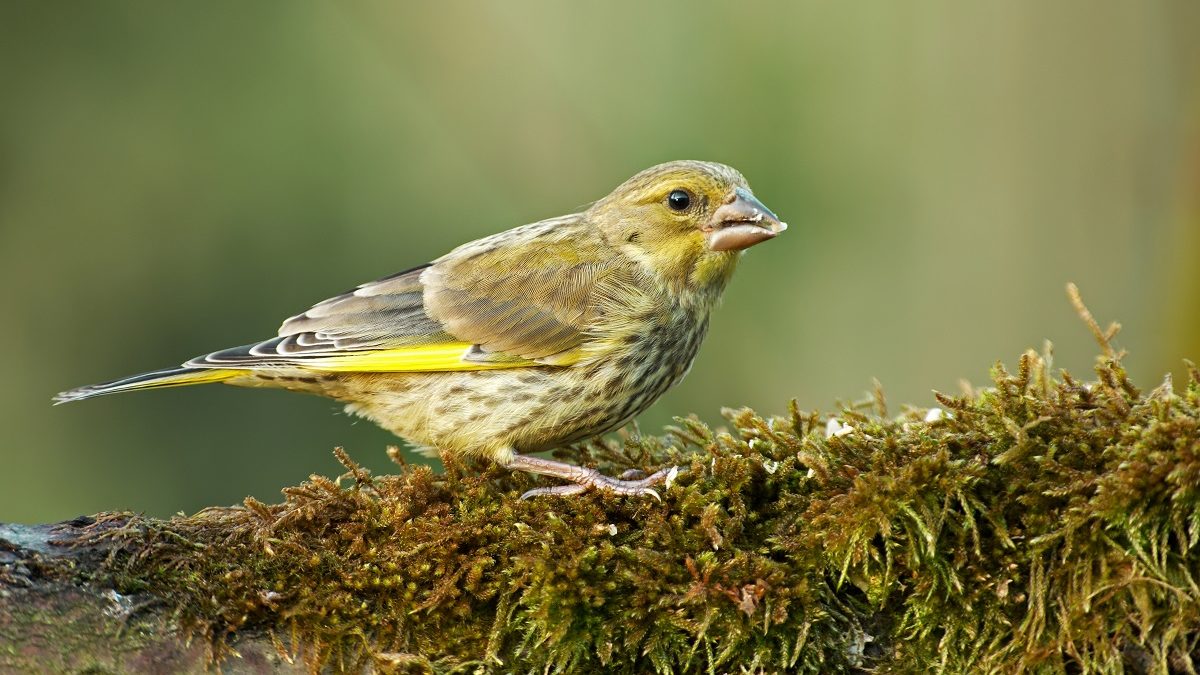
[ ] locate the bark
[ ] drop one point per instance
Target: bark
(54, 619)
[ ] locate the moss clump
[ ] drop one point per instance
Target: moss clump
(1041, 524)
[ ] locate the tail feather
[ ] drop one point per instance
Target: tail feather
(168, 377)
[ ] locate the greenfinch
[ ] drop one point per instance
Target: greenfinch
(522, 341)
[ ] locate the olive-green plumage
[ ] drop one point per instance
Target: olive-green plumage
(525, 340)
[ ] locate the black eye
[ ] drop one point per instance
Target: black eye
(679, 199)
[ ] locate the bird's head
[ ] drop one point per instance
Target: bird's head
(686, 220)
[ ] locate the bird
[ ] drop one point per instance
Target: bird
(523, 341)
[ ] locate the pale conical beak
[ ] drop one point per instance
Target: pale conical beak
(741, 222)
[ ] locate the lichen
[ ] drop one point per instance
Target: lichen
(1041, 524)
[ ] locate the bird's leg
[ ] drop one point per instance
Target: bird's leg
(583, 478)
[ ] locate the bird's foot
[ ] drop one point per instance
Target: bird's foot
(599, 481)
(584, 479)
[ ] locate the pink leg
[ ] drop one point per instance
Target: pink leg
(584, 479)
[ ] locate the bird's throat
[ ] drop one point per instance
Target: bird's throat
(712, 271)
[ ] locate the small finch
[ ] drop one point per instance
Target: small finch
(523, 341)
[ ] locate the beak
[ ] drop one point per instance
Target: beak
(741, 222)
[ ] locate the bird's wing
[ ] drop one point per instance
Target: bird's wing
(525, 293)
(518, 298)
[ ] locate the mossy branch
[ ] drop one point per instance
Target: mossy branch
(1042, 523)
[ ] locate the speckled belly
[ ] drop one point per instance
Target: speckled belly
(497, 412)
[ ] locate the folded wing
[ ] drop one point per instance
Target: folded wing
(519, 298)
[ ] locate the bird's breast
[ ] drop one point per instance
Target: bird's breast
(638, 368)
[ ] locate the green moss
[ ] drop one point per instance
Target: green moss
(1040, 524)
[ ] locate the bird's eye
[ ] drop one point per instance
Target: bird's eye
(679, 200)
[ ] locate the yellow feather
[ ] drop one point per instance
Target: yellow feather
(187, 379)
(425, 358)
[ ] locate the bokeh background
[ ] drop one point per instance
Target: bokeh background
(179, 177)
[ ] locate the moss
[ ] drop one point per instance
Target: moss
(1041, 523)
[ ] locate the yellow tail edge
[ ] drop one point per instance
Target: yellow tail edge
(158, 379)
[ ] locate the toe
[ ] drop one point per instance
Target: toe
(564, 490)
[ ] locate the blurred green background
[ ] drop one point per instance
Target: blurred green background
(179, 177)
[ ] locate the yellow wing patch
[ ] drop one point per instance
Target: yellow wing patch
(425, 358)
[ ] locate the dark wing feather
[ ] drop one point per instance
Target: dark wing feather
(382, 314)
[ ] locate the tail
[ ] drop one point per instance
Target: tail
(169, 377)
